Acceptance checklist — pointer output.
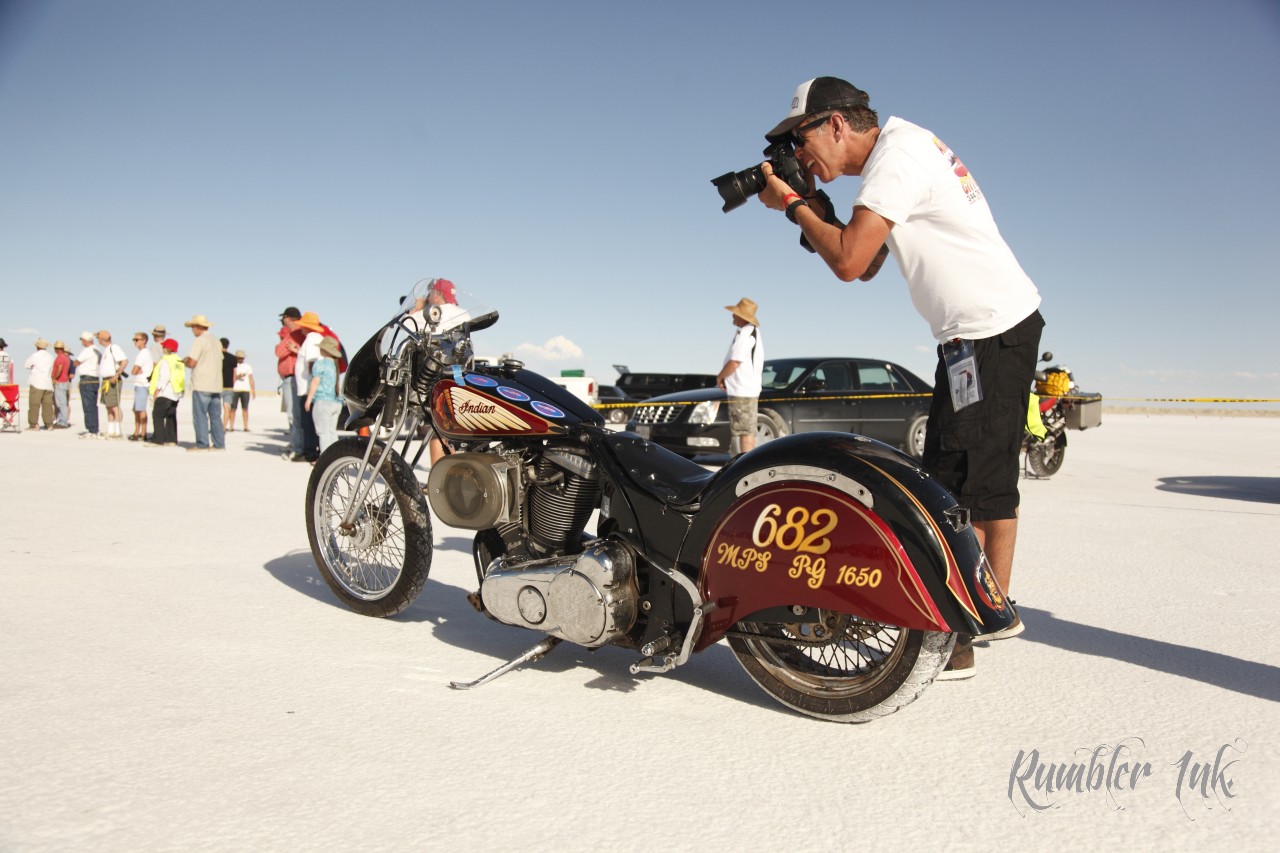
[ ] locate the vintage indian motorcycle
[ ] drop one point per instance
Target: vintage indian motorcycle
(837, 570)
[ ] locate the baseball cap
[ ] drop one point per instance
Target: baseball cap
(86, 336)
(291, 312)
(446, 289)
(169, 345)
(817, 96)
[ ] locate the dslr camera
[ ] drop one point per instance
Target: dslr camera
(736, 187)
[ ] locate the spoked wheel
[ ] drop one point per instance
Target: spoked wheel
(1044, 458)
(841, 667)
(378, 564)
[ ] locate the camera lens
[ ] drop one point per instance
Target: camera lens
(736, 187)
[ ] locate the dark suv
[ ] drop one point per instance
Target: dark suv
(642, 386)
(875, 398)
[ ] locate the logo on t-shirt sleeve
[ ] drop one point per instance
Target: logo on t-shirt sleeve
(967, 183)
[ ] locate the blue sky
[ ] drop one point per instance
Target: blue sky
(162, 158)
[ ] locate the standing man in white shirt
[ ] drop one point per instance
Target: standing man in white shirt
(741, 375)
(87, 371)
(140, 373)
(40, 385)
(111, 370)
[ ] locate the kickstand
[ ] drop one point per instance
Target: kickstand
(548, 643)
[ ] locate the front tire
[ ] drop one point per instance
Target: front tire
(380, 565)
(1045, 457)
(841, 668)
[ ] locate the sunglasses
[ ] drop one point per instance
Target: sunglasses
(797, 135)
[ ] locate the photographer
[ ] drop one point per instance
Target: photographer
(919, 201)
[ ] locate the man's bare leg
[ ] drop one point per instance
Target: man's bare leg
(998, 539)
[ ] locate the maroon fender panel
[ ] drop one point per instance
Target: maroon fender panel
(805, 543)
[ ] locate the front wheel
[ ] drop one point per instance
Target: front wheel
(379, 563)
(840, 667)
(1045, 457)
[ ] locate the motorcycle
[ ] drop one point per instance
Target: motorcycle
(1056, 405)
(837, 570)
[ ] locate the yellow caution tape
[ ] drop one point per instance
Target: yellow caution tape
(639, 404)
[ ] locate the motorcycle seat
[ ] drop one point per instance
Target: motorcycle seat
(667, 476)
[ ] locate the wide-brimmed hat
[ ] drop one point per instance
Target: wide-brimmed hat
(746, 309)
(330, 347)
(199, 320)
(169, 345)
(158, 330)
(60, 345)
(311, 321)
(41, 343)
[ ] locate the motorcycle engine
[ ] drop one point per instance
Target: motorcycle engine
(589, 598)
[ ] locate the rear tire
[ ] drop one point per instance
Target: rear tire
(769, 425)
(845, 669)
(914, 445)
(380, 565)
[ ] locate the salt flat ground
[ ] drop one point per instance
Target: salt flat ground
(177, 677)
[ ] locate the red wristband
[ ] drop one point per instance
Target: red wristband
(787, 198)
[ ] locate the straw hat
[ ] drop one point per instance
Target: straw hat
(199, 320)
(62, 345)
(239, 353)
(330, 347)
(41, 343)
(311, 322)
(746, 309)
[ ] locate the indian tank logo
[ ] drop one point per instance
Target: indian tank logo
(479, 414)
(967, 183)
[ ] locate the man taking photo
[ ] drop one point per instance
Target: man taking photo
(918, 201)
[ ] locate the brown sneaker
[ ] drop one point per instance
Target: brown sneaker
(961, 664)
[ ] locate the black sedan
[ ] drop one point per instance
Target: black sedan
(878, 399)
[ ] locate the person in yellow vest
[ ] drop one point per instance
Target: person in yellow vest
(168, 378)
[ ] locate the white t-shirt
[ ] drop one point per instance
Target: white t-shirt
(243, 372)
(40, 364)
(112, 357)
(307, 353)
(748, 350)
(143, 360)
(87, 362)
(962, 276)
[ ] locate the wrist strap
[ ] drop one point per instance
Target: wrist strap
(791, 208)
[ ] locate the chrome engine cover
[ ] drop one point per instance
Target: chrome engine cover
(589, 598)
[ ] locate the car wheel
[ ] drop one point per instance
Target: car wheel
(769, 425)
(914, 444)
